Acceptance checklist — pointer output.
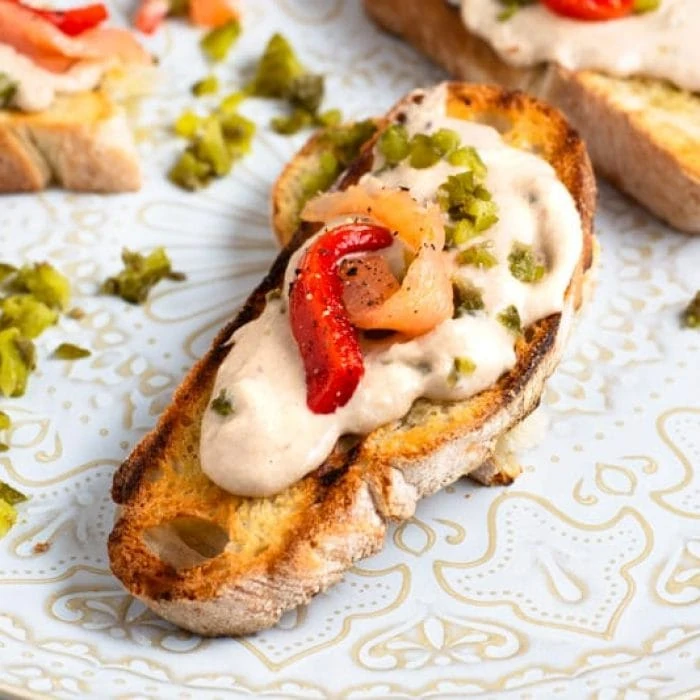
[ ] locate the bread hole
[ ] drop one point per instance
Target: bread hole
(501, 123)
(186, 541)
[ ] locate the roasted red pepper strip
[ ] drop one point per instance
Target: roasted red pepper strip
(71, 22)
(591, 10)
(328, 342)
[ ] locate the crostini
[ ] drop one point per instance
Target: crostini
(411, 321)
(629, 81)
(58, 121)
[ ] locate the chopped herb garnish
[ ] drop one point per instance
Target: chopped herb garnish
(10, 495)
(523, 264)
(8, 88)
(218, 42)
(17, 361)
(68, 351)
(691, 314)
(393, 144)
(140, 274)
(510, 318)
(462, 367)
(423, 153)
(467, 298)
(206, 86)
(477, 255)
(24, 312)
(44, 282)
(222, 404)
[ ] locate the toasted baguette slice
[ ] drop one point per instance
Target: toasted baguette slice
(219, 564)
(82, 143)
(641, 134)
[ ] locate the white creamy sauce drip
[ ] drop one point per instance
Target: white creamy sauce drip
(664, 43)
(37, 88)
(272, 439)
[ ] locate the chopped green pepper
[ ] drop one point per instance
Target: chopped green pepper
(10, 495)
(510, 318)
(393, 144)
(423, 153)
(523, 264)
(464, 199)
(467, 157)
(467, 298)
(331, 117)
(140, 274)
(218, 42)
(306, 92)
(189, 172)
(187, 124)
(25, 312)
(206, 86)
(276, 70)
(462, 367)
(230, 102)
(5, 421)
(299, 119)
(17, 361)
(6, 270)
(8, 88)
(691, 314)
(222, 404)
(641, 6)
(459, 233)
(445, 141)
(8, 517)
(68, 351)
(44, 282)
(477, 255)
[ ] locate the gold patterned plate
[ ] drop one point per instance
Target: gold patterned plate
(581, 580)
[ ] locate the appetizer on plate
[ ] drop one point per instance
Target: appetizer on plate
(60, 73)
(625, 72)
(410, 323)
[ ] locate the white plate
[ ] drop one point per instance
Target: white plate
(581, 580)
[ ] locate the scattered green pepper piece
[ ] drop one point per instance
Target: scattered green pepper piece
(691, 314)
(523, 264)
(238, 133)
(331, 117)
(463, 198)
(5, 421)
(140, 274)
(218, 42)
(299, 119)
(8, 88)
(306, 92)
(477, 255)
(189, 172)
(10, 495)
(510, 318)
(44, 282)
(230, 102)
(393, 144)
(641, 6)
(445, 141)
(206, 86)
(276, 70)
(68, 351)
(468, 157)
(222, 404)
(17, 361)
(8, 517)
(24, 312)
(467, 298)
(462, 367)
(210, 147)
(187, 124)
(459, 233)
(423, 153)
(511, 7)
(6, 270)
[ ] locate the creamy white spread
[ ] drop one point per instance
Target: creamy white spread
(37, 88)
(272, 439)
(664, 43)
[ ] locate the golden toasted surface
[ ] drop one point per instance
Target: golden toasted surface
(624, 122)
(82, 143)
(221, 564)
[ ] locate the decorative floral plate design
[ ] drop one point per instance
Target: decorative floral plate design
(580, 580)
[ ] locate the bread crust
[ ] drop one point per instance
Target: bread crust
(81, 143)
(281, 551)
(619, 135)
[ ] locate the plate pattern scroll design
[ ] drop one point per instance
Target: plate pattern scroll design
(580, 581)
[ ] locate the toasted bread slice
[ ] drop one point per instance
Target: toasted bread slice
(219, 564)
(82, 142)
(624, 122)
